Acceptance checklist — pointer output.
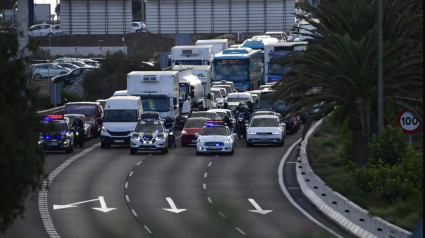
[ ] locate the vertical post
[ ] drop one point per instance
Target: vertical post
(22, 27)
(380, 68)
(143, 10)
(410, 139)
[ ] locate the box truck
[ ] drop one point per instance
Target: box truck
(158, 90)
(218, 44)
(192, 55)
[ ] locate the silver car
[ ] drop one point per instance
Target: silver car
(48, 70)
(265, 129)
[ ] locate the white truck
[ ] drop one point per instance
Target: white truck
(204, 73)
(191, 94)
(218, 44)
(192, 55)
(158, 90)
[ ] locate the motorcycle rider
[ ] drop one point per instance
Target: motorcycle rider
(226, 105)
(168, 124)
(250, 107)
(244, 110)
(78, 126)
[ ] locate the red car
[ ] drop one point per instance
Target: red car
(192, 126)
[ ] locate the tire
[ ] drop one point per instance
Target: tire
(233, 151)
(164, 151)
(249, 144)
(103, 145)
(133, 151)
(49, 35)
(198, 153)
(70, 150)
(37, 76)
(183, 144)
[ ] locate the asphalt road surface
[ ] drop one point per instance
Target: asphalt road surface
(110, 193)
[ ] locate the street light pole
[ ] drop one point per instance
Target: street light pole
(380, 67)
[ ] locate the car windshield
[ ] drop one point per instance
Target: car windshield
(264, 122)
(217, 94)
(120, 116)
(195, 123)
(210, 115)
(148, 127)
(85, 109)
(221, 115)
(156, 104)
(54, 126)
(215, 130)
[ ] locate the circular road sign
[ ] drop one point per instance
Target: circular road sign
(408, 122)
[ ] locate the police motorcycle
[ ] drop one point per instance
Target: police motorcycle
(242, 120)
(79, 132)
(168, 125)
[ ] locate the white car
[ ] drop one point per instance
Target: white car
(137, 27)
(265, 129)
(48, 70)
(215, 139)
(41, 30)
(149, 135)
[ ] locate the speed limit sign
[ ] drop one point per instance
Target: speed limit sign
(408, 122)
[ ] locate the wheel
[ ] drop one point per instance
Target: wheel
(239, 136)
(133, 151)
(49, 35)
(164, 151)
(103, 145)
(70, 150)
(37, 76)
(198, 153)
(82, 143)
(248, 144)
(233, 151)
(183, 144)
(282, 143)
(138, 31)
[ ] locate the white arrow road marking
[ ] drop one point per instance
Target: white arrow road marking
(103, 207)
(258, 208)
(173, 206)
(55, 207)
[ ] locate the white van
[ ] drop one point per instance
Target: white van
(121, 114)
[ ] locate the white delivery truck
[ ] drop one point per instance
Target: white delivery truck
(120, 118)
(158, 90)
(204, 73)
(192, 55)
(218, 44)
(191, 94)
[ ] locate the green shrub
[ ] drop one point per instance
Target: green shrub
(389, 147)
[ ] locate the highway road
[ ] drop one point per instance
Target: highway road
(178, 194)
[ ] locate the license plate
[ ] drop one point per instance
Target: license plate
(118, 141)
(214, 148)
(53, 143)
(193, 141)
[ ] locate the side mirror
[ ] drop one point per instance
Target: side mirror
(196, 134)
(175, 107)
(283, 124)
(234, 135)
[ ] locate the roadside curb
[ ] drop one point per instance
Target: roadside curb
(344, 212)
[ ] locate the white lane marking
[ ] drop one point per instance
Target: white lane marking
(288, 196)
(103, 207)
(209, 164)
(127, 198)
(126, 185)
(205, 175)
(134, 212)
(240, 231)
(43, 206)
(257, 207)
(173, 206)
(209, 200)
(222, 214)
(131, 173)
(147, 229)
(139, 163)
(204, 186)
(290, 162)
(56, 207)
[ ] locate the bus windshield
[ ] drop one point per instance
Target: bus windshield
(278, 69)
(236, 70)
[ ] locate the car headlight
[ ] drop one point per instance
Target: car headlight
(200, 140)
(41, 137)
(104, 128)
(184, 132)
(229, 140)
(251, 133)
(276, 132)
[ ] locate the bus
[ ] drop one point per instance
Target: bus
(242, 66)
(275, 51)
(257, 43)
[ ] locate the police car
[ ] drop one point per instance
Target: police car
(149, 135)
(56, 134)
(215, 137)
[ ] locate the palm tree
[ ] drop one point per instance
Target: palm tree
(340, 68)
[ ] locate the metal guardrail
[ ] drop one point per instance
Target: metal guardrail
(338, 208)
(55, 110)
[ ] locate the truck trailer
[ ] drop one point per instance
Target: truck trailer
(192, 55)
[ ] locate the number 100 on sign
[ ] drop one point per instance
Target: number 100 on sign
(408, 122)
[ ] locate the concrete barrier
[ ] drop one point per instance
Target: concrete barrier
(344, 212)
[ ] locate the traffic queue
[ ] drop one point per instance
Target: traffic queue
(123, 120)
